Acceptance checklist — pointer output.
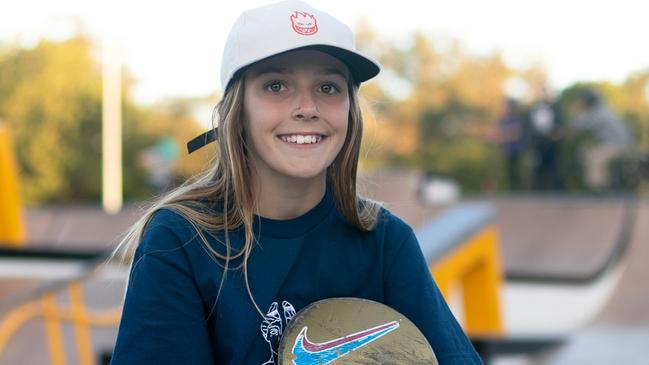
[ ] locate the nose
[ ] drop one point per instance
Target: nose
(306, 107)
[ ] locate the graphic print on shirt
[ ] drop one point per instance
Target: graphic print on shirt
(273, 324)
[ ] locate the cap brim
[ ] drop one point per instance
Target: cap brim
(361, 67)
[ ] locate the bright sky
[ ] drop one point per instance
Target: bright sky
(174, 47)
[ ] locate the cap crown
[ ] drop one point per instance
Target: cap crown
(269, 30)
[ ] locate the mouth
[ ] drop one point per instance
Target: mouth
(302, 139)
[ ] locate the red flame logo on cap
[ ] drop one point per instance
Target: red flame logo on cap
(304, 23)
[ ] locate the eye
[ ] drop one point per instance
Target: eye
(274, 86)
(329, 88)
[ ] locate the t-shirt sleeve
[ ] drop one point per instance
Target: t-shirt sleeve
(410, 289)
(164, 319)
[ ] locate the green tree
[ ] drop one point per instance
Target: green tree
(51, 97)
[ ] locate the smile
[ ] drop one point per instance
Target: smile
(301, 139)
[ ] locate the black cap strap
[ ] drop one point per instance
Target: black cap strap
(202, 140)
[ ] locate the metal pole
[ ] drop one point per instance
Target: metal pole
(112, 128)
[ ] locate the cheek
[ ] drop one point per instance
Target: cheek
(335, 109)
(250, 125)
(254, 117)
(251, 132)
(341, 113)
(261, 113)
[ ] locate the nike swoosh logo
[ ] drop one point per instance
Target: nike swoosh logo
(310, 353)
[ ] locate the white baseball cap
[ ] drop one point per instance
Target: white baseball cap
(289, 25)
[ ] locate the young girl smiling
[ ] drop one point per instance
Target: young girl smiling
(223, 263)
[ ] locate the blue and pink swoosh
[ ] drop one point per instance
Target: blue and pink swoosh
(310, 353)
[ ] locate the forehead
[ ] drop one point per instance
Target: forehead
(301, 60)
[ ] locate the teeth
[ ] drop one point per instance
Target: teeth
(300, 139)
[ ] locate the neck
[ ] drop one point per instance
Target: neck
(283, 200)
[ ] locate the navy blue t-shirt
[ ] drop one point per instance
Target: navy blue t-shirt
(172, 316)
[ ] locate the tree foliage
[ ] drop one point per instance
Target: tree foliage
(51, 96)
(441, 125)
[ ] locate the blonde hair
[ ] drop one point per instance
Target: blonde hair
(225, 186)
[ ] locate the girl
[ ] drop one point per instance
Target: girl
(221, 264)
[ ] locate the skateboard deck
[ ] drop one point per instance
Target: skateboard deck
(353, 331)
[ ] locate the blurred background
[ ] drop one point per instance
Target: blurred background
(539, 111)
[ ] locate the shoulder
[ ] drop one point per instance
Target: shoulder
(169, 218)
(388, 231)
(391, 233)
(391, 225)
(166, 229)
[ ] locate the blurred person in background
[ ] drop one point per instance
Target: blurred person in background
(511, 138)
(545, 135)
(611, 139)
(159, 161)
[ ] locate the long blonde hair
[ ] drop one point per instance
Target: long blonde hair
(225, 185)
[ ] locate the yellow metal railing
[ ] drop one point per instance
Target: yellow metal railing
(12, 231)
(47, 308)
(475, 267)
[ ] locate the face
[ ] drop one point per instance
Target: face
(296, 110)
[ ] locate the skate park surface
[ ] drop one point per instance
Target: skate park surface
(544, 233)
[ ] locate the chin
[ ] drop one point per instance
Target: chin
(307, 173)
